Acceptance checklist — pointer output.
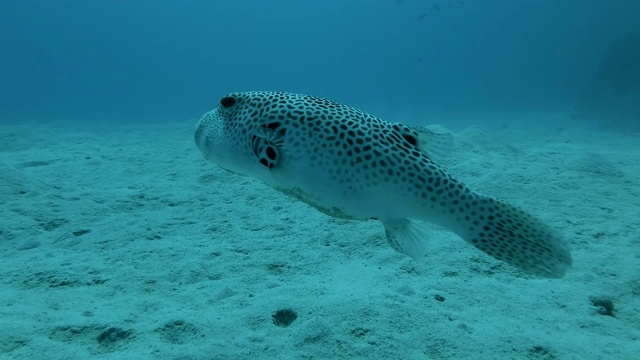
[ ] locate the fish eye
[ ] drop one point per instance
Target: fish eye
(227, 102)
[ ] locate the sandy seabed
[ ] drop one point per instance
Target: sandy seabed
(124, 243)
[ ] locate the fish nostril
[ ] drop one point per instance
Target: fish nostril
(227, 102)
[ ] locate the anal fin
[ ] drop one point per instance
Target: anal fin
(407, 236)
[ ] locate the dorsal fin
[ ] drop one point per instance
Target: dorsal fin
(435, 144)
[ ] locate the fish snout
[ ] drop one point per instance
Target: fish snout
(209, 134)
(199, 135)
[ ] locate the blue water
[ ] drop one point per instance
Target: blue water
(163, 60)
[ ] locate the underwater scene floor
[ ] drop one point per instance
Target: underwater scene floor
(125, 243)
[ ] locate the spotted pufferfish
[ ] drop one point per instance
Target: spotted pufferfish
(352, 165)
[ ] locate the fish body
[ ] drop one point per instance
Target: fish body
(352, 165)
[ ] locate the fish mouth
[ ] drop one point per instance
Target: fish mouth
(198, 136)
(202, 142)
(209, 133)
(206, 144)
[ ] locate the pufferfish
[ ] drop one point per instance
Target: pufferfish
(352, 165)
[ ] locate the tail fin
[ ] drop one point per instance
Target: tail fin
(509, 234)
